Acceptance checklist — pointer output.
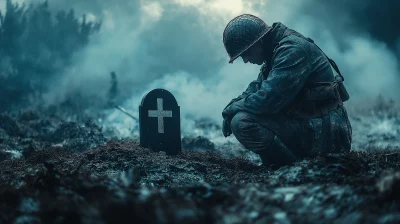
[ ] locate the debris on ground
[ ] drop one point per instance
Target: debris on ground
(28, 131)
(198, 143)
(58, 171)
(123, 181)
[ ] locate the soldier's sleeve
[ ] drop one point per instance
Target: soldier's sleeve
(287, 77)
(253, 87)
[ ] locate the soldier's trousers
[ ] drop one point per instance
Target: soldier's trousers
(280, 139)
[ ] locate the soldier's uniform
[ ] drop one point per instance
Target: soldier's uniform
(295, 107)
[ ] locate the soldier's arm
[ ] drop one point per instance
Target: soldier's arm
(253, 87)
(289, 73)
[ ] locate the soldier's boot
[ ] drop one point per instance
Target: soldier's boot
(277, 154)
(259, 139)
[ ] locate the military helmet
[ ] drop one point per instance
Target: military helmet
(241, 33)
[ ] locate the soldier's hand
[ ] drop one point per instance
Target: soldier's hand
(226, 127)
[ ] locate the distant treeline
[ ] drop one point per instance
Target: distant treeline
(35, 46)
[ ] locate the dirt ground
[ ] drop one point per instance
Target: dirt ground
(122, 182)
(58, 171)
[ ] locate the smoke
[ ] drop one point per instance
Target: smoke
(378, 19)
(363, 37)
(153, 45)
(177, 45)
(143, 45)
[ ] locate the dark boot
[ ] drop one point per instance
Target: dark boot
(277, 154)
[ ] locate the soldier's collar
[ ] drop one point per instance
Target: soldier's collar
(272, 39)
(277, 33)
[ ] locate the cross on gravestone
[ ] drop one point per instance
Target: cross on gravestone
(160, 114)
(159, 122)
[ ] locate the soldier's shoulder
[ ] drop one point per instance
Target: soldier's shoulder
(294, 40)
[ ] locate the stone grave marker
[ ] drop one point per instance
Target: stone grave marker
(159, 122)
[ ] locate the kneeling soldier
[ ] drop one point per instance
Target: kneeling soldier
(295, 107)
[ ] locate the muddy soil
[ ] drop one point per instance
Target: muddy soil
(58, 171)
(123, 182)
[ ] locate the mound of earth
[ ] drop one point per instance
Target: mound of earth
(123, 182)
(28, 131)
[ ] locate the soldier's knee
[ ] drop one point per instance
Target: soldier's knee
(239, 121)
(249, 131)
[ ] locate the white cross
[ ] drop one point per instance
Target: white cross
(160, 114)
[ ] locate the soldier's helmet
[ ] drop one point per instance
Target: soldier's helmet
(241, 33)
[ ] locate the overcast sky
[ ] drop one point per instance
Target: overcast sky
(177, 45)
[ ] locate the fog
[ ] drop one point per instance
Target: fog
(149, 42)
(177, 45)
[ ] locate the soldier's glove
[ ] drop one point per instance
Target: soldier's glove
(226, 127)
(226, 123)
(227, 114)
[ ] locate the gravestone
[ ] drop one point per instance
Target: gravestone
(159, 122)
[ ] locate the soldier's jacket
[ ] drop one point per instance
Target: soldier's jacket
(295, 63)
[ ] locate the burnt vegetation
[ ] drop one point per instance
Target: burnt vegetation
(35, 46)
(54, 169)
(122, 181)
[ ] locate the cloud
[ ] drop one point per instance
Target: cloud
(153, 10)
(178, 44)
